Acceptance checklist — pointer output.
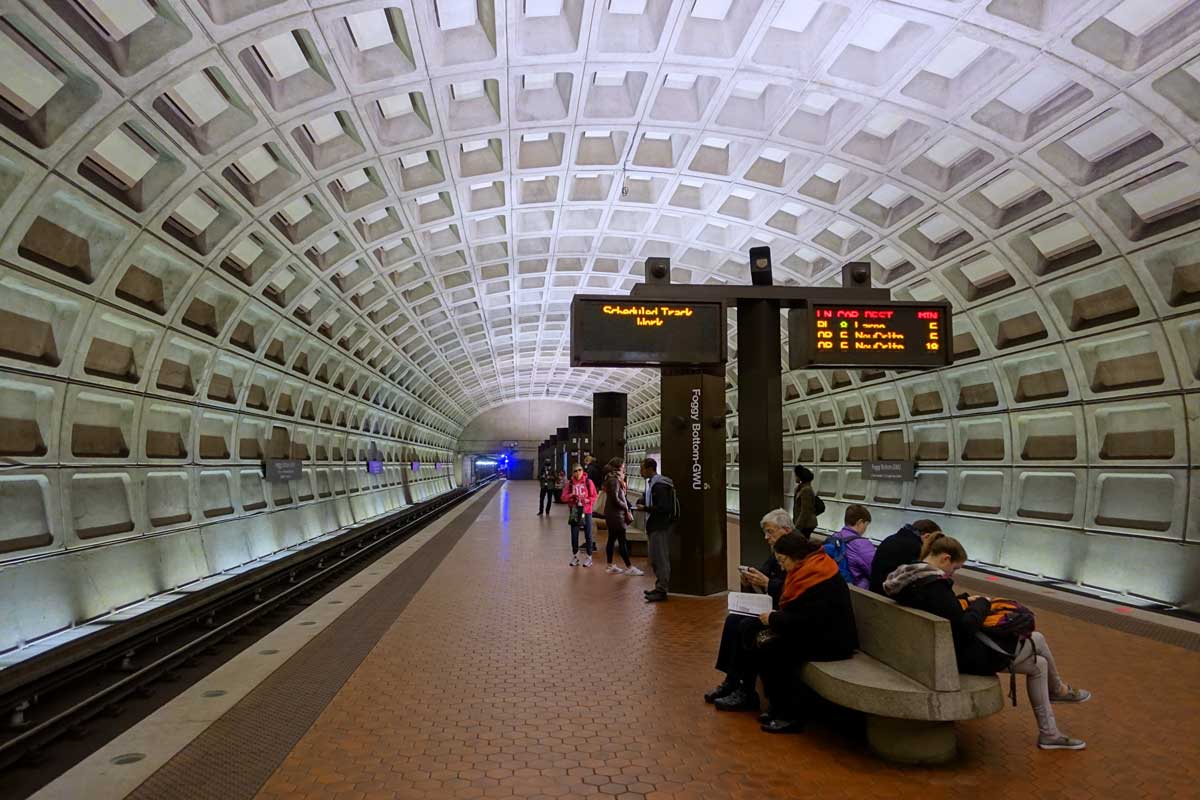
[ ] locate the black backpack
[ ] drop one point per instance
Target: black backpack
(818, 505)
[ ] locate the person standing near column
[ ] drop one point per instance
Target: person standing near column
(661, 508)
(580, 496)
(546, 480)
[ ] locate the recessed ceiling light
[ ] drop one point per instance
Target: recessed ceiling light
(353, 179)
(887, 257)
(25, 82)
(1065, 237)
(466, 90)
(818, 102)
(1035, 89)
(282, 56)
(750, 89)
(117, 18)
(296, 210)
(246, 252)
(939, 228)
(609, 77)
(256, 165)
(884, 124)
(370, 29)
(887, 195)
(395, 106)
(711, 9)
(1157, 199)
(680, 80)
(833, 173)
(198, 99)
(195, 213)
(774, 154)
(410, 160)
(125, 159)
(843, 229)
(984, 271)
(455, 14)
(372, 217)
(535, 81)
(1101, 139)
(958, 54)
(716, 143)
(949, 151)
(324, 128)
(1008, 189)
(796, 15)
(878, 32)
(1139, 17)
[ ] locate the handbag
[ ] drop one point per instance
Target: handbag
(576, 515)
(599, 503)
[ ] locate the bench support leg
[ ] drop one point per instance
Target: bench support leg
(910, 741)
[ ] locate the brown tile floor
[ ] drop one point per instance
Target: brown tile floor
(512, 675)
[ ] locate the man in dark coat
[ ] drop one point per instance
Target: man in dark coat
(902, 547)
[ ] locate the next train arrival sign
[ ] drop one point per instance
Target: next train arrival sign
(892, 335)
(611, 331)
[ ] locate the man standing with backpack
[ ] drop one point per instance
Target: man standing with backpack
(662, 509)
(852, 551)
(546, 481)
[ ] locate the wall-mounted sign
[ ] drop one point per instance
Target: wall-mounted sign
(282, 470)
(416, 465)
(889, 470)
(375, 467)
(611, 332)
(892, 335)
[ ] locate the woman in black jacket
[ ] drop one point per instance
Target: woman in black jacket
(928, 585)
(815, 622)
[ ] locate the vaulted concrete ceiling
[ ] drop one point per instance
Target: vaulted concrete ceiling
(424, 185)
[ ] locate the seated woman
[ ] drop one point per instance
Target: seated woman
(928, 585)
(815, 622)
(768, 579)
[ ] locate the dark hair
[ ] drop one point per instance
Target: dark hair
(940, 543)
(576, 466)
(650, 464)
(794, 546)
(856, 514)
(803, 474)
(924, 526)
(614, 465)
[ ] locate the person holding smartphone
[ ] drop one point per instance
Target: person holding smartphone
(768, 579)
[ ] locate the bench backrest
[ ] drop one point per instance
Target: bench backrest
(915, 643)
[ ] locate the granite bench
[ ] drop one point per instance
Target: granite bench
(905, 679)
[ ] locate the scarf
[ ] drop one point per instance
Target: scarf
(807, 574)
(907, 575)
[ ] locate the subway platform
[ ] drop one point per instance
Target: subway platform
(473, 662)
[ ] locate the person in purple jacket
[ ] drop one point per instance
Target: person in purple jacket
(860, 551)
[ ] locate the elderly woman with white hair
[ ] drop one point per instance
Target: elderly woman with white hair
(768, 579)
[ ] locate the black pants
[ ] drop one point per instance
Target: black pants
(545, 500)
(616, 537)
(736, 655)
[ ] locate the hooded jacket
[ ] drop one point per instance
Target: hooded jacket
(924, 586)
(902, 547)
(860, 552)
(660, 502)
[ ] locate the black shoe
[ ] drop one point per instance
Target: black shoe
(764, 718)
(740, 699)
(727, 687)
(656, 597)
(539, 513)
(783, 726)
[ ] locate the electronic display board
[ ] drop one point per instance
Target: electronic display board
(643, 332)
(895, 335)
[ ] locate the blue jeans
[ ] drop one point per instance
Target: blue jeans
(586, 524)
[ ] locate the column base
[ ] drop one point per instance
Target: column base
(911, 741)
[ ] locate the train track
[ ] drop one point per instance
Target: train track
(59, 693)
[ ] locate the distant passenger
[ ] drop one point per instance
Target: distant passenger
(740, 630)
(815, 622)
(594, 470)
(804, 502)
(902, 547)
(852, 551)
(546, 479)
(661, 510)
(560, 483)
(580, 494)
(928, 585)
(617, 517)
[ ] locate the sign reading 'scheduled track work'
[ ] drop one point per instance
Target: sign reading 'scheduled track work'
(610, 332)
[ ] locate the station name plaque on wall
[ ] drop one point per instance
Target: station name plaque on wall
(614, 332)
(894, 335)
(282, 470)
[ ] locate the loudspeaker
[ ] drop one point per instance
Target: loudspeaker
(760, 266)
(658, 270)
(856, 275)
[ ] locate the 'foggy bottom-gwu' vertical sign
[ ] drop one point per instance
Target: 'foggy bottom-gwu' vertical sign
(694, 416)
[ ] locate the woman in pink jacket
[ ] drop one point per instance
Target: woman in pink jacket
(580, 494)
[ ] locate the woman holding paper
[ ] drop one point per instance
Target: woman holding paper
(815, 622)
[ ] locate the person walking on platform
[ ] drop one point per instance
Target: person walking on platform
(804, 503)
(929, 586)
(617, 517)
(662, 509)
(547, 482)
(580, 495)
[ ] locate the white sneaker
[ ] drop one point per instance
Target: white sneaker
(574, 560)
(613, 569)
(587, 561)
(634, 571)
(1060, 742)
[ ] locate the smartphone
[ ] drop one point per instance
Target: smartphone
(743, 570)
